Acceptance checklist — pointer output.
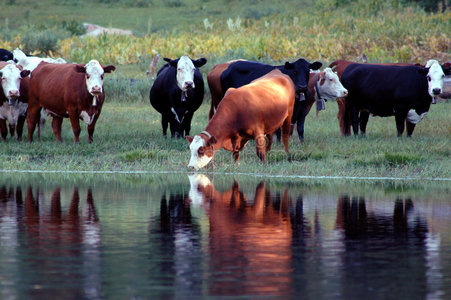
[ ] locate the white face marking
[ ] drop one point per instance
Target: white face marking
(435, 78)
(332, 87)
(415, 118)
(198, 160)
(197, 181)
(185, 73)
(86, 118)
(10, 77)
(94, 77)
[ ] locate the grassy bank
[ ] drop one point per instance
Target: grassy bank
(128, 137)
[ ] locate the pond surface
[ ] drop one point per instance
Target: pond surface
(204, 237)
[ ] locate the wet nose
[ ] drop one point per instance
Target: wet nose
(13, 94)
(436, 91)
(345, 93)
(96, 89)
(191, 168)
(189, 85)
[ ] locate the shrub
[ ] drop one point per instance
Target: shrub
(42, 41)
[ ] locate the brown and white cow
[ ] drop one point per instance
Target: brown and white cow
(11, 77)
(250, 112)
(67, 90)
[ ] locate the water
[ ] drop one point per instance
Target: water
(176, 237)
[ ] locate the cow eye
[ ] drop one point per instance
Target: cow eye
(201, 151)
(429, 78)
(101, 77)
(88, 76)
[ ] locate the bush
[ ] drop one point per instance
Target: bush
(42, 41)
(74, 27)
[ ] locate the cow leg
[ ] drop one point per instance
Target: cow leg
(211, 112)
(32, 120)
(345, 128)
(354, 116)
(269, 141)
(56, 126)
(91, 128)
(410, 128)
(364, 115)
(187, 123)
(286, 129)
(75, 126)
(301, 119)
(260, 142)
(3, 129)
(164, 123)
(400, 119)
(278, 134)
(19, 127)
(12, 129)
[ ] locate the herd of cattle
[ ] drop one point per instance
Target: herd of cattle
(250, 100)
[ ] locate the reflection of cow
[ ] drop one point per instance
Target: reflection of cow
(176, 237)
(71, 238)
(253, 238)
(373, 239)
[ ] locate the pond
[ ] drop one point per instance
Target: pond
(209, 236)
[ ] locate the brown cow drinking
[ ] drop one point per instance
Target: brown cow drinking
(250, 112)
(67, 90)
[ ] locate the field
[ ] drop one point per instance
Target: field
(128, 134)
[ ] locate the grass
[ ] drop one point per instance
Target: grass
(128, 138)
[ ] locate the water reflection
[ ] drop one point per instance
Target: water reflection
(229, 238)
(57, 249)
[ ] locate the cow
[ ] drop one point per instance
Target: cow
(67, 90)
(5, 55)
(31, 62)
(243, 72)
(214, 84)
(339, 67)
(251, 112)
(322, 86)
(403, 91)
(11, 77)
(178, 91)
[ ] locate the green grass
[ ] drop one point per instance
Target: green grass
(128, 138)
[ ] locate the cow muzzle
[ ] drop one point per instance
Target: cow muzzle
(96, 90)
(12, 96)
(437, 91)
(188, 85)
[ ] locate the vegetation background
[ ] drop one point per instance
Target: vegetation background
(128, 134)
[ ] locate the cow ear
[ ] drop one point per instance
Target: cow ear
(80, 68)
(189, 139)
(423, 71)
(447, 71)
(200, 62)
(211, 141)
(109, 69)
(289, 65)
(1, 74)
(167, 59)
(316, 65)
(24, 73)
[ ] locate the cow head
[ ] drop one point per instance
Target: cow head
(202, 150)
(94, 72)
(19, 57)
(11, 76)
(329, 86)
(5, 55)
(299, 73)
(185, 70)
(435, 76)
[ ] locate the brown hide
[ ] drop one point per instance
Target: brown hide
(58, 88)
(253, 111)
(214, 84)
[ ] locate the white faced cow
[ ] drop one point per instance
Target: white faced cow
(11, 77)
(31, 62)
(177, 92)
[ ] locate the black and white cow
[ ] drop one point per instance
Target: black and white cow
(405, 92)
(178, 91)
(5, 55)
(241, 73)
